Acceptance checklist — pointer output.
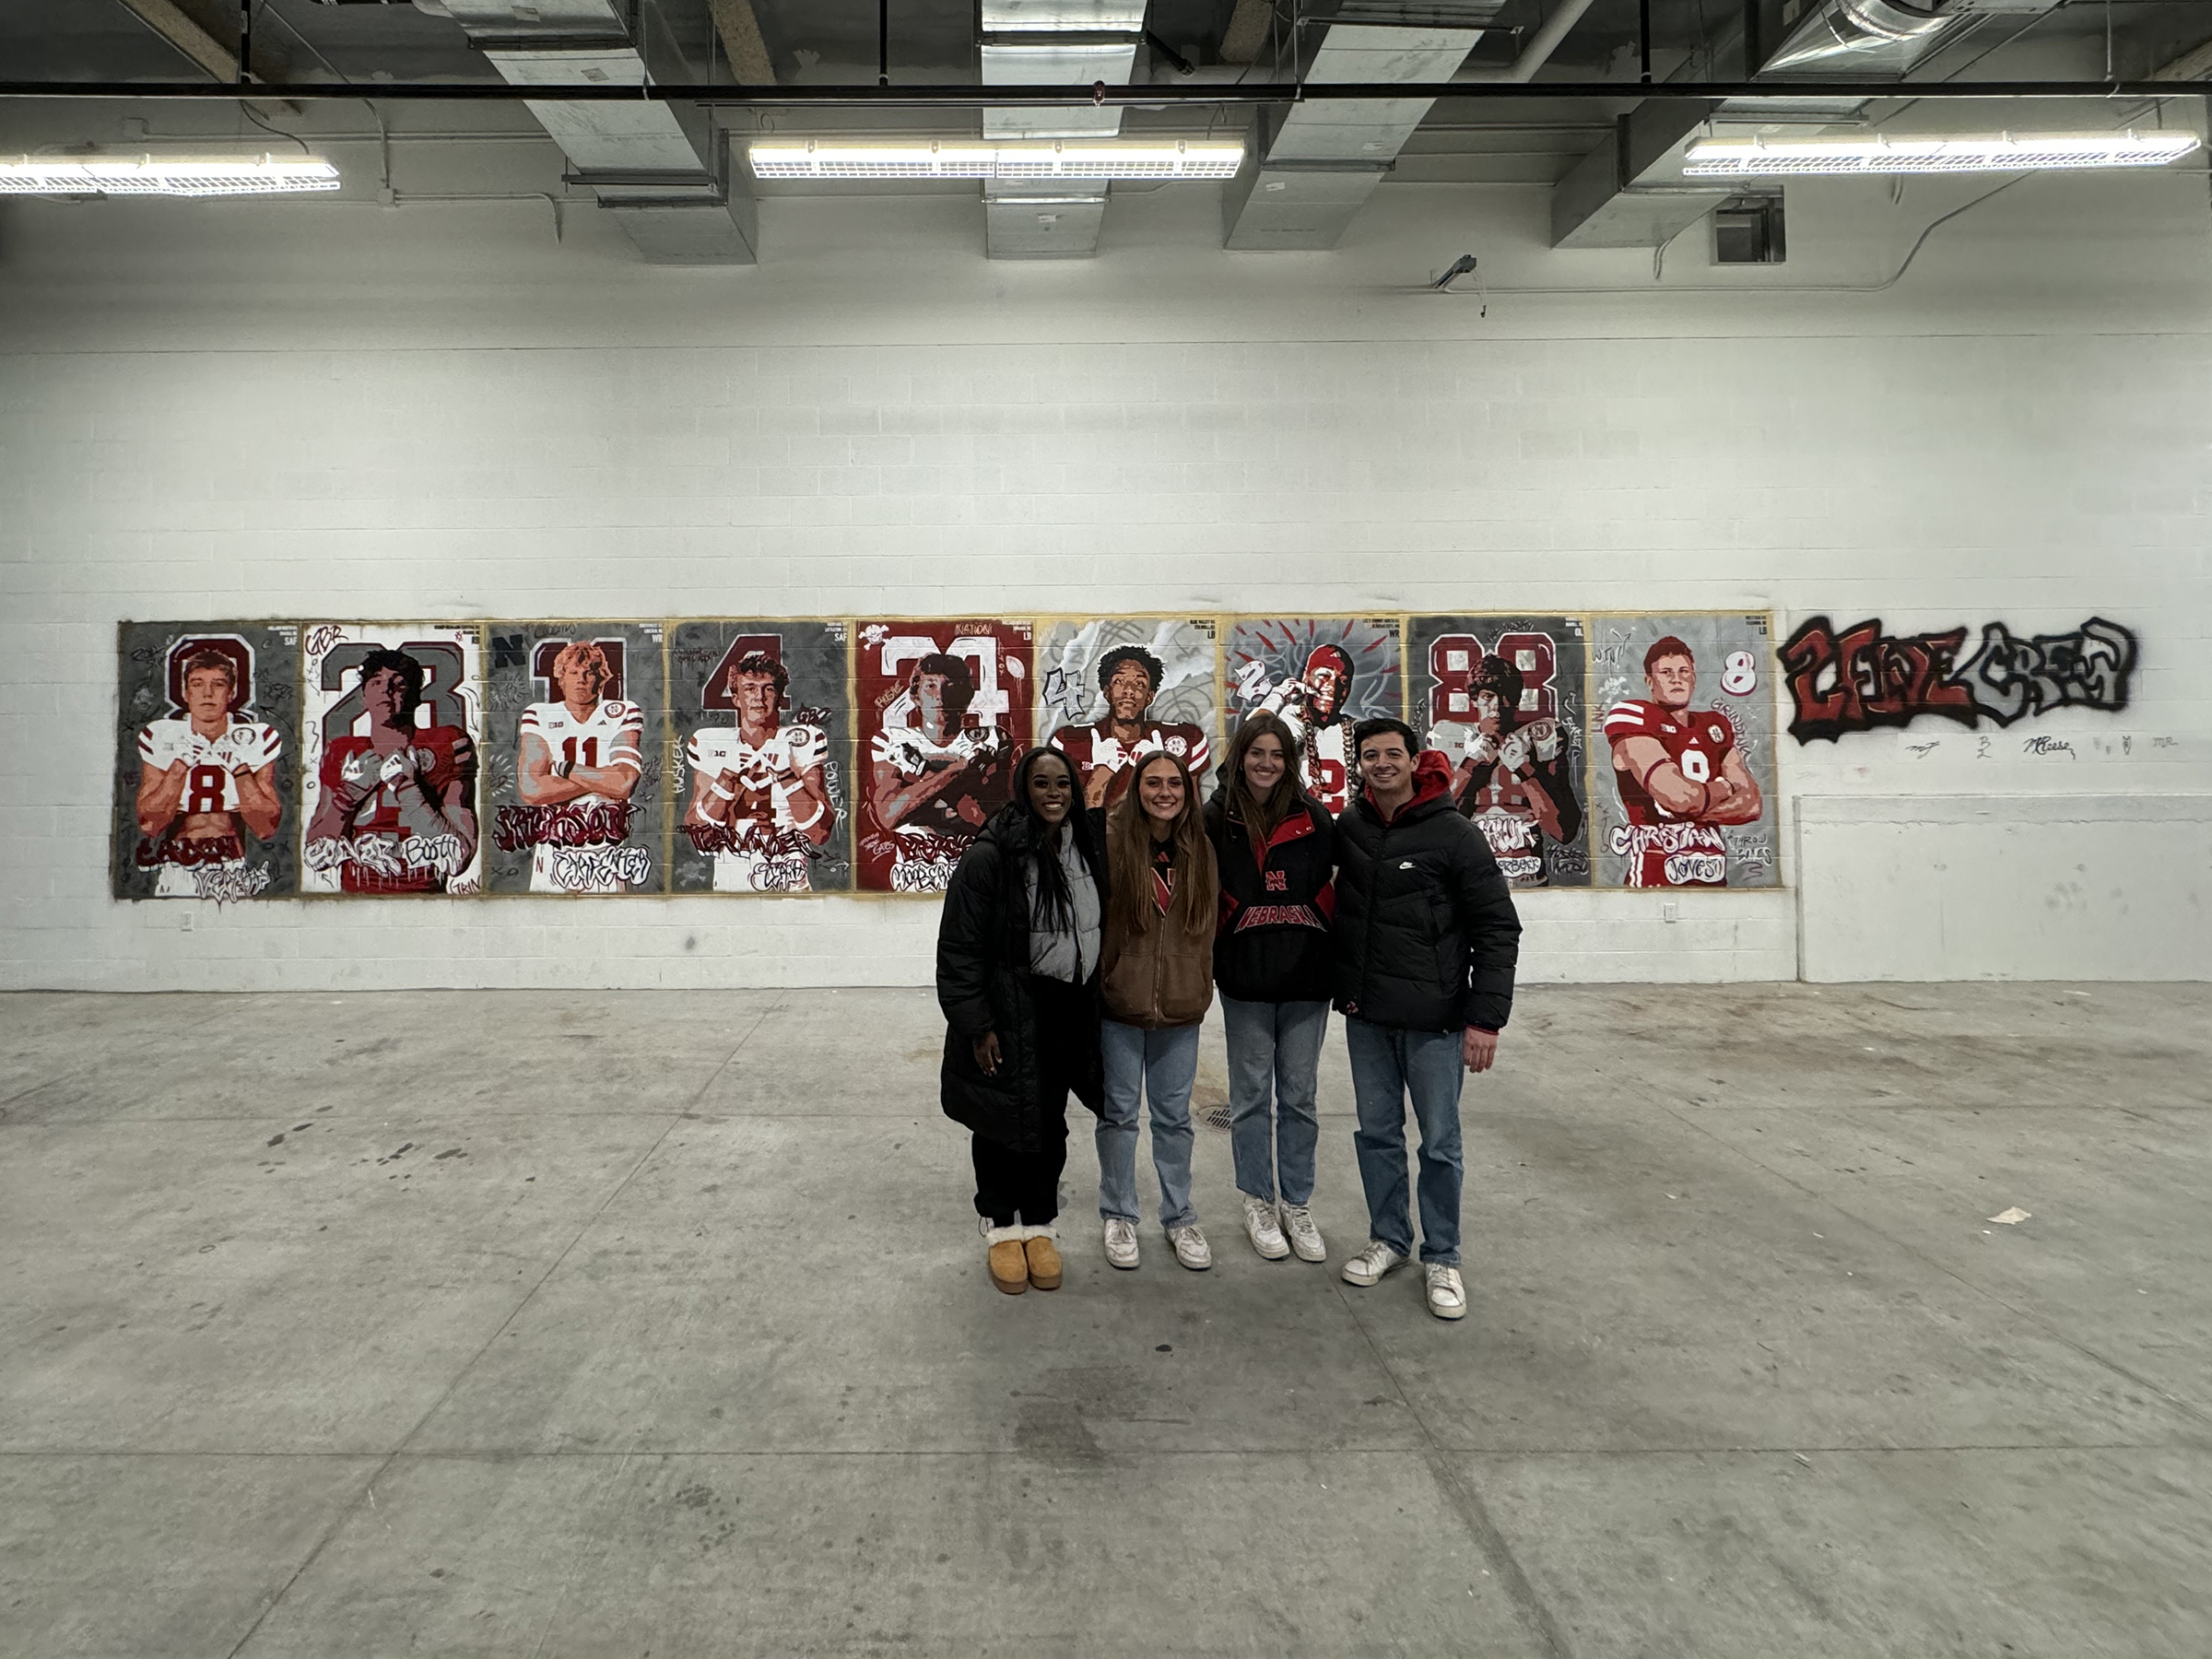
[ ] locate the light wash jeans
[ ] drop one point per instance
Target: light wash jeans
(1274, 1072)
(1161, 1066)
(1388, 1064)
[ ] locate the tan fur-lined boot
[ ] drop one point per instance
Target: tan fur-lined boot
(1044, 1253)
(1009, 1262)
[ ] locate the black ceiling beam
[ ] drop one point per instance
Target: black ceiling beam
(1200, 94)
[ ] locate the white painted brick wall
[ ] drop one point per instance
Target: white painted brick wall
(212, 411)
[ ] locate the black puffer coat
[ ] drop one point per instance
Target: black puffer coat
(1427, 937)
(1275, 904)
(984, 985)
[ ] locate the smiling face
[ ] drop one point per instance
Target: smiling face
(1159, 791)
(385, 693)
(207, 693)
(1265, 764)
(755, 698)
(1052, 788)
(1672, 681)
(1129, 693)
(1385, 764)
(1328, 692)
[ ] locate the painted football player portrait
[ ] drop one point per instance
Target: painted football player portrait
(760, 798)
(208, 778)
(583, 750)
(1680, 775)
(1106, 752)
(397, 804)
(934, 778)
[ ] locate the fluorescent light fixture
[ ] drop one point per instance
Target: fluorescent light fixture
(164, 176)
(2007, 152)
(966, 159)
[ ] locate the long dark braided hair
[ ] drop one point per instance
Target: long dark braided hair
(1055, 909)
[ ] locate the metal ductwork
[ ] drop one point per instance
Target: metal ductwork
(1309, 170)
(1052, 43)
(1876, 37)
(1628, 192)
(662, 169)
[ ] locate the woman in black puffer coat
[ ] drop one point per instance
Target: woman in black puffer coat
(1018, 977)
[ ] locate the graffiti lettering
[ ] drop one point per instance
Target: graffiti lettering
(205, 850)
(595, 869)
(750, 837)
(1864, 677)
(2087, 668)
(228, 885)
(568, 825)
(384, 856)
(922, 875)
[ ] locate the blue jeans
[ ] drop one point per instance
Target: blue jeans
(1274, 1072)
(1161, 1066)
(1387, 1065)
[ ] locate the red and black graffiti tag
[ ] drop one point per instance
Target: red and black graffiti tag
(517, 828)
(1863, 677)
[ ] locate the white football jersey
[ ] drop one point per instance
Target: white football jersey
(760, 798)
(600, 738)
(211, 786)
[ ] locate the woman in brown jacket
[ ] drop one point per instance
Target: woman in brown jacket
(1157, 968)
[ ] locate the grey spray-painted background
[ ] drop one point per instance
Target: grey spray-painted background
(511, 686)
(1566, 863)
(814, 655)
(142, 695)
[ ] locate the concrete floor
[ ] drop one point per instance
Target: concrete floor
(598, 1325)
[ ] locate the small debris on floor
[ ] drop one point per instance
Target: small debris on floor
(2011, 1217)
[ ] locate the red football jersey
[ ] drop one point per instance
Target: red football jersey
(1662, 849)
(453, 779)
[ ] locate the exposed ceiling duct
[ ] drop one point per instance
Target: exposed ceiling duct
(1052, 43)
(1877, 37)
(1311, 169)
(662, 169)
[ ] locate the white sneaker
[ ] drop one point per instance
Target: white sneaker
(1191, 1248)
(1371, 1263)
(1121, 1243)
(1260, 1227)
(1447, 1296)
(1305, 1238)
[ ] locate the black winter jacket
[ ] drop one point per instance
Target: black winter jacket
(984, 985)
(1426, 933)
(1275, 904)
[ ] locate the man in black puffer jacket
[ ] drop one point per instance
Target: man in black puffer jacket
(1426, 940)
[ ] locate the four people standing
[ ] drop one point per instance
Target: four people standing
(1079, 949)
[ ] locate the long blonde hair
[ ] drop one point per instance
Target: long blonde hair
(1130, 909)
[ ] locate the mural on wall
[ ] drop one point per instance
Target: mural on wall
(209, 732)
(1864, 677)
(1502, 697)
(944, 712)
(760, 718)
(388, 768)
(1114, 690)
(1322, 675)
(575, 757)
(1683, 791)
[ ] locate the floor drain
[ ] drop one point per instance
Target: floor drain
(1216, 1117)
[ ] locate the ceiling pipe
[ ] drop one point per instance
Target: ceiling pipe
(724, 95)
(1537, 52)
